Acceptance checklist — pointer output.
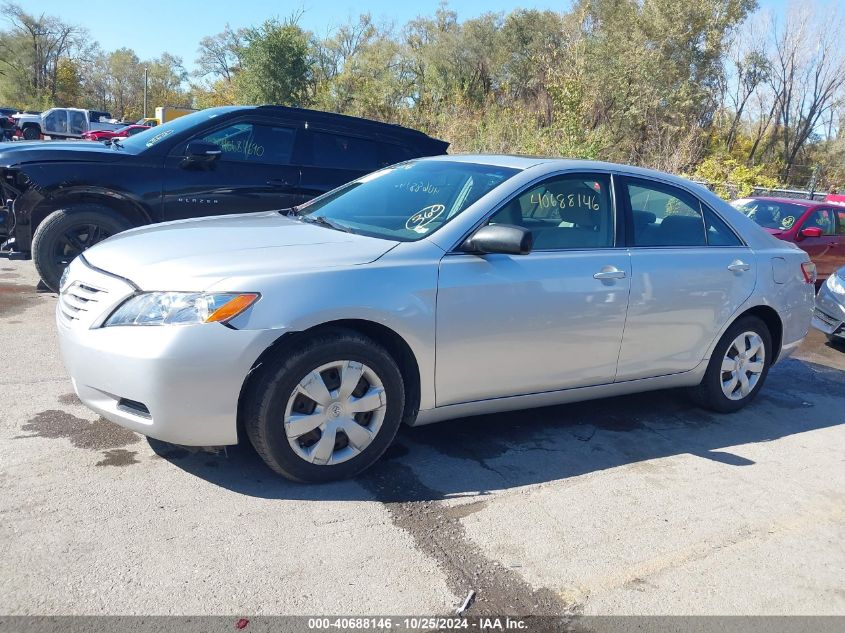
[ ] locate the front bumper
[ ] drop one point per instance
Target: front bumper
(829, 315)
(178, 384)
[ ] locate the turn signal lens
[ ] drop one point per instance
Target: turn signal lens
(233, 307)
(809, 270)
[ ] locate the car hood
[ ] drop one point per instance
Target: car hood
(196, 254)
(22, 152)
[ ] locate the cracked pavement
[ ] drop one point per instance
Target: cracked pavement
(632, 505)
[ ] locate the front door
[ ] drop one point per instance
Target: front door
(690, 273)
(253, 173)
(553, 319)
(828, 250)
(56, 123)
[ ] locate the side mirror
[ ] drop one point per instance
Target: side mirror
(201, 153)
(811, 231)
(500, 238)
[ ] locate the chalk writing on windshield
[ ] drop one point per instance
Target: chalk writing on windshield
(424, 216)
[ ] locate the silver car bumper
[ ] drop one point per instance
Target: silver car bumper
(178, 384)
(829, 315)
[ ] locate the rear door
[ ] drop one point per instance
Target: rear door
(255, 171)
(330, 158)
(690, 273)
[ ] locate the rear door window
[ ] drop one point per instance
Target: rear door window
(77, 122)
(337, 151)
(664, 215)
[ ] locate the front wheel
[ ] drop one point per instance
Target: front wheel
(738, 367)
(66, 233)
(327, 409)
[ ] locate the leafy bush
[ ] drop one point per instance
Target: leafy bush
(731, 178)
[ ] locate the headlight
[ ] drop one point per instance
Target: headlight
(63, 280)
(836, 284)
(180, 308)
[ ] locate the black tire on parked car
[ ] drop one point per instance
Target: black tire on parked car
(31, 132)
(729, 362)
(65, 233)
(286, 398)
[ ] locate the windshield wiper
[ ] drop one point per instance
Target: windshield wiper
(116, 142)
(321, 221)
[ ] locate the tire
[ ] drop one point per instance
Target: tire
(66, 233)
(31, 133)
(275, 396)
(710, 394)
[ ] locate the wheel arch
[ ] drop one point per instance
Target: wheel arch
(771, 318)
(392, 341)
(129, 209)
(767, 315)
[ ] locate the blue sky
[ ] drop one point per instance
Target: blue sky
(177, 26)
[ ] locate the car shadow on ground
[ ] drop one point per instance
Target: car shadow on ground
(472, 456)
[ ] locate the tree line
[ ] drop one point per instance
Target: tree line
(715, 89)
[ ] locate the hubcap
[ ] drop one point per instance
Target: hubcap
(335, 412)
(743, 365)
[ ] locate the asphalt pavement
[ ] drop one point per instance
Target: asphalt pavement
(633, 505)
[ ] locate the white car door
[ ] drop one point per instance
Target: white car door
(56, 122)
(690, 273)
(553, 319)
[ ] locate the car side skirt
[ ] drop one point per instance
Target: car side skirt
(562, 396)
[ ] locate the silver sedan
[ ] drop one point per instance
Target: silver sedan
(429, 290)
(829, 316)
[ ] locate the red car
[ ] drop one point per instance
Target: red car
(103, 135)
(816, 227)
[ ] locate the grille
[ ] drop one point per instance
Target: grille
(90, 295)
(79, 298)
(826, 318)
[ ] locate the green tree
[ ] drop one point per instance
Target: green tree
(275, 65)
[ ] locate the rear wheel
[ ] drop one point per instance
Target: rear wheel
(66, 233)
(738, 367)
(326, 410)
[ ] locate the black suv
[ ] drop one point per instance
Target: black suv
(59, 198)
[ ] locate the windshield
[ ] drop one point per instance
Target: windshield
(148, 138)
(770, 214)
(408, 201)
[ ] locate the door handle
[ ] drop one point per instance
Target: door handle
(279, 183)
(610, 272)
(739, 266)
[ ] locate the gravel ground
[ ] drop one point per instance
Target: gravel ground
(633, 505)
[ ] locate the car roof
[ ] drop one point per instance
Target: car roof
(799, 201)
(332, 117)
(553, 164)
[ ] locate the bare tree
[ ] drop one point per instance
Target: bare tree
(747, 68)
(808, 75)
(48, 39)
(220, 55)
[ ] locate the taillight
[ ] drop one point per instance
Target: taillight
(809, 270)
